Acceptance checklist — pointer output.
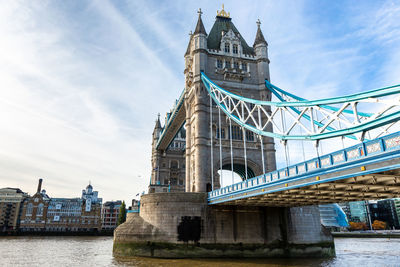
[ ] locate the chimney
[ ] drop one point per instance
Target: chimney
(39, 188)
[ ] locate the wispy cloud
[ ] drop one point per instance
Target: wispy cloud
(81, 82)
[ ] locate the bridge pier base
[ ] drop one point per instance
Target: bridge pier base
(181, 225)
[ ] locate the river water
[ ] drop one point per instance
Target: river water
(97, 251)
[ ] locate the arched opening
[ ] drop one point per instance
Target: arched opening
(240, 169)
(239, 174)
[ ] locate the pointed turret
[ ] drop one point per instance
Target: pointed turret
(157, 128)
(259, 36)
(261, 50)
(190, 41)
(200, 26)
(158, 123)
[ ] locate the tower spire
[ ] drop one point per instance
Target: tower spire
(259, 36)
(200, 26)
(158, 123)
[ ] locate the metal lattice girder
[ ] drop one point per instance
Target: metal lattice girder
(294, 118)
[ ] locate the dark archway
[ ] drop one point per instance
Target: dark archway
(208, 187)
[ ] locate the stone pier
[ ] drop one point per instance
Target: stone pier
(181, 225)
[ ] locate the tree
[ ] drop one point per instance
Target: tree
(122, 214)
(358, 226)
(379, 225)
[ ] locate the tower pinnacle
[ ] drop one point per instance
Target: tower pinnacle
(200, 26)
(259, 36)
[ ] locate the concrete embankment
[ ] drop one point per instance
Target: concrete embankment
(382, 234)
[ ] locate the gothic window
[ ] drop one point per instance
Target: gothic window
(227, 48)
(219, 63)
(249, 136)
(244, 66)
(236, 65)
(237, 133)
(29, 209)
(235, 49)
(222, 133)
(174, 164)
(40, 210)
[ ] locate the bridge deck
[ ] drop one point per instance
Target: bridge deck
(370, 170)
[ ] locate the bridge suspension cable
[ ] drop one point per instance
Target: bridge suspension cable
(339, 116)
(211, 144)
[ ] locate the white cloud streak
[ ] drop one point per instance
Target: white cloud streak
(81, 83)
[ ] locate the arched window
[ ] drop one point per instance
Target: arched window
(29, 209)
(40, 210)
(174, 164)
(227, 48)
(222, 133)
(244, 66)
(237, 133)
(235, 49)
(249, 136)
(219, 63)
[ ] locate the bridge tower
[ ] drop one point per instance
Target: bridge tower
(225, 57)
(168, 166)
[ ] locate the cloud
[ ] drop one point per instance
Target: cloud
(81, 82)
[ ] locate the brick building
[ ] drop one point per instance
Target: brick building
(42, 213)
(109, 214)
(34, 212)
(11, 201)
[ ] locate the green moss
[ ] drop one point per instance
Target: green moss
(239, 250)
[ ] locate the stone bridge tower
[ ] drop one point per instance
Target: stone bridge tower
(225, 57)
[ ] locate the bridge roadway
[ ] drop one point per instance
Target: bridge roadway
(369, 170)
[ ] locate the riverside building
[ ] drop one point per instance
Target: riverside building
(109, 215)
(42, 213)
(11, 200)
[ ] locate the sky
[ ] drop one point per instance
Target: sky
(82, 82)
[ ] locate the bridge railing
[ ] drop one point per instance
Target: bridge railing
(353, 153)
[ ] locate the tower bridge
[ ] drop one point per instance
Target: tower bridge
(228, 117)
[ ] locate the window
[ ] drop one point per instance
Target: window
(249, 136)
(235, 49)
(244, 66)
(237, 133)
(40, 210)
(236, 65)
(227, 48)
(174, 164)
(219, 63)
(29, 209)
(222, 133)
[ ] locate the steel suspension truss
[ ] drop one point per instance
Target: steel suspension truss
(294, 118)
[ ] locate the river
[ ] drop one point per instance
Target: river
(97, 251)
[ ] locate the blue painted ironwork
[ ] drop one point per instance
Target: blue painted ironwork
(244, 111)
(171, 117)
(384, 148)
